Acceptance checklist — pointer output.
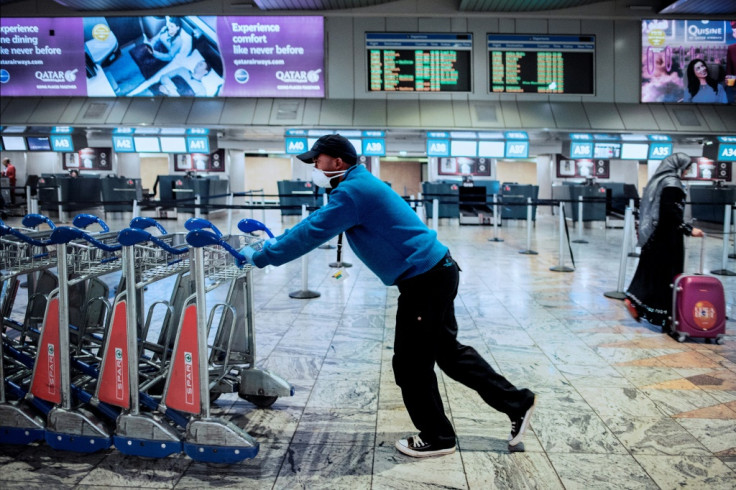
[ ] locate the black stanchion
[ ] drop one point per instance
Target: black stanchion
(561, 267)
(339, 262)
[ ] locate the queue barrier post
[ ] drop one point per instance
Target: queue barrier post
(327, 245)
(304, 292)
(561, 267)
(632, 234)
(528, 250)
(197, 211)
(136, 211)
(579, 226)
(263, 204)
(435, 213)
(229, 213)
(62, 214)
(723, 271)
(619, 292)
(733, 231)
(496, 219)
(28, 199)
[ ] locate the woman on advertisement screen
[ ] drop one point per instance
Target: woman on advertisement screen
(701, 87)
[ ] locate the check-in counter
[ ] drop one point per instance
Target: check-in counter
(515, 199)
(708, 202)
(618, 195)
(594, 200)
(448, 196)
(293, 194)
(118, 193)
(210, 190)
(77, 193)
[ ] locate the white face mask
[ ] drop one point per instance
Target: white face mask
(321, 179)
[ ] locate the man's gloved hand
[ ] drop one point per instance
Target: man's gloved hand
(247, 253)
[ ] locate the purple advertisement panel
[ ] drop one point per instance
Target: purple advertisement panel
(42, 56)
(272, 56)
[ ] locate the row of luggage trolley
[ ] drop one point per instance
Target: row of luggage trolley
(84, 373)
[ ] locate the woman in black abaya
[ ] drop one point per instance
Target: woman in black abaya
(661, 231)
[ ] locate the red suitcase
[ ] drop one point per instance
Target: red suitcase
(698, 306)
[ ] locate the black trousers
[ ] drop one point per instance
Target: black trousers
(426, 333)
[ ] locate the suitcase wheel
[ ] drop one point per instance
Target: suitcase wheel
(681, 337)
(720, 340)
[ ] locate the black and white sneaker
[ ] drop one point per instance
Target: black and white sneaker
(520, 424)
(416, 447)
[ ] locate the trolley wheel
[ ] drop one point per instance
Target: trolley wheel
(260, 401)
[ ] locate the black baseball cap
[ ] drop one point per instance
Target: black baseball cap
(335, 145)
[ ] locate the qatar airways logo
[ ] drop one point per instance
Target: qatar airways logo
(311, 76)
(57, 76)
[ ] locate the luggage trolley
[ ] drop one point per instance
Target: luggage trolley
(19, 255)
(24, 253)
(193, 373)
(233, 353)
(79, 257)
(146, 259)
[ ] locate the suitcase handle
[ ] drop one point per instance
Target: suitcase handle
(702, 254)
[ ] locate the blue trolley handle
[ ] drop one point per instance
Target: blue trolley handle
(34, 219)
(199, 224)
(65, 234)
(203, 238)
(133, 236)
(84, 220)
(142, 223)
(251, 225)
(6, 230)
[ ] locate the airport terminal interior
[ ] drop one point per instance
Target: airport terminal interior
(170, 145)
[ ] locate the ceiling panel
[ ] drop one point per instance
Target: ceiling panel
(316, 4)
(700, 7)
(103, 5)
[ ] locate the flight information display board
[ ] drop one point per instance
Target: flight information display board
(542, 64)
(417, 62)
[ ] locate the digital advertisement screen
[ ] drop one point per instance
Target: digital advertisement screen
(152, 56)
(89, 159)
(480, 167)
(703, 168)
(583, 168)
(685, 61)
(39, 143)
(200, 162)
(541, 64)
(416, 62)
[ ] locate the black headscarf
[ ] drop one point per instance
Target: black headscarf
(667, 175)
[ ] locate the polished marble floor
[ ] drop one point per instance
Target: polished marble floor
(619, 404)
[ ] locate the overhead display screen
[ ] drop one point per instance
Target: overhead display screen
(417, 62)
(187, 56)
(685, 61)
(541, 64)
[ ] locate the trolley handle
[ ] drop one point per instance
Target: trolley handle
(202, 238)
(141, 223)
(251, 225)
(193, 224)
(133, 236)
(84, 220)
(33, 220)
(6, 230)
(65, 234)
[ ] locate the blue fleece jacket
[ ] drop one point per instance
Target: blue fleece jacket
(381, 228)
